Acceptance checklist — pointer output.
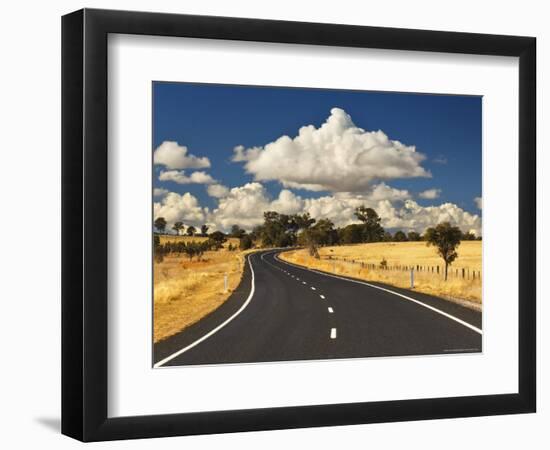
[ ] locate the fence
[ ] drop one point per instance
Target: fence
(464, 273)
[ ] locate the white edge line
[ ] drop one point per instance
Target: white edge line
(218, 328)
(443, 313)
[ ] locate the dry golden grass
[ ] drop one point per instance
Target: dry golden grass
(403, 254)
(186, 291)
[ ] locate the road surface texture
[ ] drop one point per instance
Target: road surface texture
(282, 312)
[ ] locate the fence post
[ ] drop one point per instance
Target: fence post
(412, 278)
(463, 272)
(225, 283)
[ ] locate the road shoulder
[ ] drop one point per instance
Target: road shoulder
(186, 337)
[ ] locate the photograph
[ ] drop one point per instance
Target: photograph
(295, 224)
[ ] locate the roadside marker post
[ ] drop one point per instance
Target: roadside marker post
(225, 283)
(412, 278)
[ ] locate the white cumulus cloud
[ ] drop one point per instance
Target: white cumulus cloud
(175, 156)
(430, 194)
(178, 176)
(180, 208)
(412, 216)
(479, 202)
(338, 156)
(245, 205)
(160, 192)
(217, 190)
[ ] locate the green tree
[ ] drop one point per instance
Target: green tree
(190, 250)
(310, 238)
(372, 230)
(177, 227)
(237, 232)
(204, 230)
(191, 230)
(303, 221)
(413, 236)
(325, 232)
(160, 224)
(469, 236)
(273, 232)
(387, 237)
(399, 236)
(446, 238)
(157, 249)
(218, 238)
(351, 234)
(245, 242)
(200, 248)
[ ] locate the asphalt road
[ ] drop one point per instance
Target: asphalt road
(282, 312)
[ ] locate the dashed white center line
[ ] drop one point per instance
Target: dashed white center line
(322, 296)
(333, 333)
(303, 282)
(330, 310)
(312, 288)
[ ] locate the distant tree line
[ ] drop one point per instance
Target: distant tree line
(179, 228)
(288, 230)
(191, 249)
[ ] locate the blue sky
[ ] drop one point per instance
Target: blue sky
(211, 120)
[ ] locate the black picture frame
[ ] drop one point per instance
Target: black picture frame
(84, 224)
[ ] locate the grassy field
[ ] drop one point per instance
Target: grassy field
(402, 254)
(186, 291)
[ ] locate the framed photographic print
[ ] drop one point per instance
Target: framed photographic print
(276, 224)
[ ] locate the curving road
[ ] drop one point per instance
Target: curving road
(283, 312)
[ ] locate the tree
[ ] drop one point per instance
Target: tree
(157, 249)
(245, 242)
(218, 238)
(325, 232)
(446, 238)
(160, 224)
(303, 221)
(237, 232)
(191, 230)
(372, 230)
(399, 236)
(413, 236)
(352, 234)
(273, 232)
(387, 237)
(310, 238)
(200, 248)
(190, 250)
(177, 227)
(469, 236)
(204, 230)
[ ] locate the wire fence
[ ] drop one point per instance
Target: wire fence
(464, 273)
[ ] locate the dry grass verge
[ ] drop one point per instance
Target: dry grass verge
(404, 254)
(186, 291)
